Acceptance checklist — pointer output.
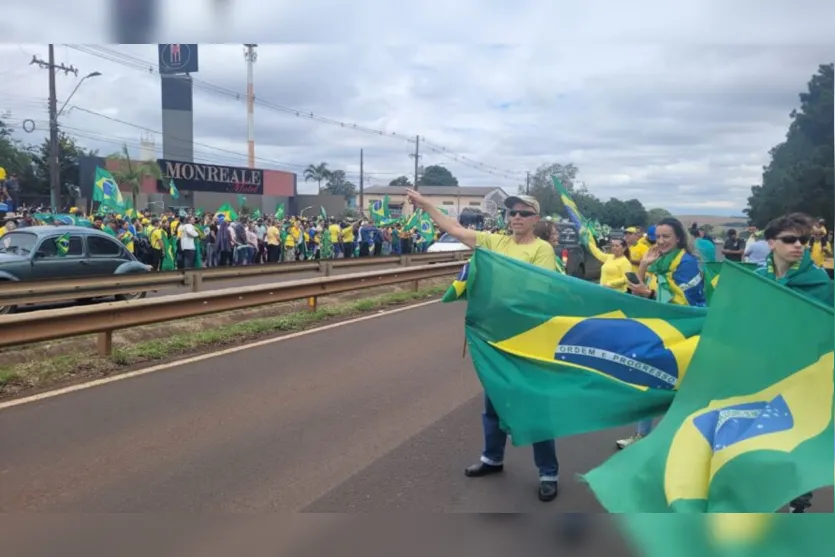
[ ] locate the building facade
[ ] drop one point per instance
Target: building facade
(452, 199)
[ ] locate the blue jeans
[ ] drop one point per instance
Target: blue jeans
(645, 427)
(544, 452)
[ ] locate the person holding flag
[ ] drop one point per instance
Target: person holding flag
(523, 245)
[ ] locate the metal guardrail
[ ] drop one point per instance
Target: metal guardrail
(106, 318)
(46, 291)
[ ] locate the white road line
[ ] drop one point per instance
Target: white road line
(202, 357)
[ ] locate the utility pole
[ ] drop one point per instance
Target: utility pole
(251, 56)
(362, 180)
(527, 183)
(416, 156)
(54, 152)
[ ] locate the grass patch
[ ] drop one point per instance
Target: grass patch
(17, 378)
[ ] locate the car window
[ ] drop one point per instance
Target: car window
(49, 247)
(447, 239)
(18, 243)
(568, 235)
(103, 247)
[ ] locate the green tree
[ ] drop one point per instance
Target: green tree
(69, 154)
(801, 174)
(636, 214)
(590, 206)
(338, 184)
(132, 172)
(401, 181)
(656, 215)
(317, 173)
(16, 157)
(616, 213)
(542, 187)
(436, 175)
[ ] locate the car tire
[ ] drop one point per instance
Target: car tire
(129, 296)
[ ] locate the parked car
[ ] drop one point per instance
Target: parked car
(32, 254)
(445, 244)
(577, 260)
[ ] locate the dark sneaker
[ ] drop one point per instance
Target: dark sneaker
(482, 469)
(547, 491)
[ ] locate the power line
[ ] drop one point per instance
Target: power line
(144, 65)
(220, 154)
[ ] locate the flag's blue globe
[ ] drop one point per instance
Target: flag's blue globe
(624, 349)
(109, 188)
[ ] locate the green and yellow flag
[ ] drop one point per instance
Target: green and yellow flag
(379, 210)
(229, 214)
(563, 356)
(62, 244)
(712, 270)
(751, 426)
(169, 253)
(729, 535)
(279, 211)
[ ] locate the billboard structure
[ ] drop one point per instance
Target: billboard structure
(176, 63)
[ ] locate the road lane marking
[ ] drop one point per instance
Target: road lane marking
(202, 357)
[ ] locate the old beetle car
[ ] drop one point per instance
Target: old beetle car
(32, 254)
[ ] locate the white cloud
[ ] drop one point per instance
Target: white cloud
(675, 104)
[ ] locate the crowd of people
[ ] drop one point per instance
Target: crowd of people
(184, 239)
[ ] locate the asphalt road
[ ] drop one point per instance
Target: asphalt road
(376, 418)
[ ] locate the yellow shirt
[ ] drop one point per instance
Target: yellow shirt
(637, 252)
(538, 252)
(273, 236)
(2, 231)
(348, 234)
(156, 239)
(334, 232)
(614, 269)
(290, 240)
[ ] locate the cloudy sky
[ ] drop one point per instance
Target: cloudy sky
(677, 109)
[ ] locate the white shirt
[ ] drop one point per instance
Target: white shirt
(187, 237)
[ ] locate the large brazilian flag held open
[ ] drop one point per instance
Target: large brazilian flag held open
(560, 356)
(751, 426)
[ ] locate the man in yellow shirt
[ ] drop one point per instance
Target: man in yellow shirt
(273, 242)
(523, 245)
(157, 244)
(348, 241)
(334, 231)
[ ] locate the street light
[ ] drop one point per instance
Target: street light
(89, 75)
(54, 147)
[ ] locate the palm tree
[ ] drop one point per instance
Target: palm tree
(317, 173)
(132, 172)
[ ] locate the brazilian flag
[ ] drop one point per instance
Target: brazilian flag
(169, 245)
(458, 289)
(562, 356)
(729, 535)
(751, 426)
(712, 271)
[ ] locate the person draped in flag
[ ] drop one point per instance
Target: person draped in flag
(670, 273)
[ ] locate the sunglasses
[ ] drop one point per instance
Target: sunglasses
(521, 213)
(789, 240)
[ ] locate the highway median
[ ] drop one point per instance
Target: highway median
(47, 365)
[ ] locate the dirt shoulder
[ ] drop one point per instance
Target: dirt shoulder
(40, 367)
